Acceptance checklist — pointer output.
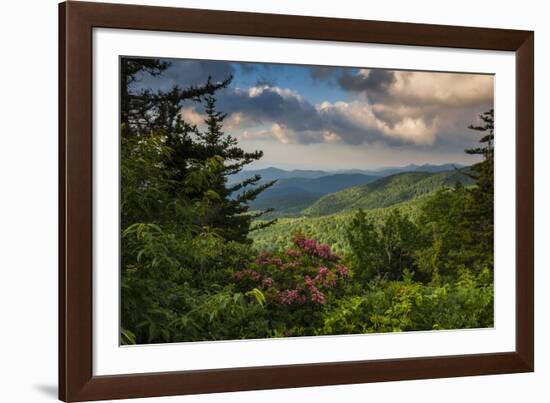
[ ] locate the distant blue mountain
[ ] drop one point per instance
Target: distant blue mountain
(290, 195)
(272, 173)
(296, 190)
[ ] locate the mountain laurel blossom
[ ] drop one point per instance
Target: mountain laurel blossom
(299, 275)
(342, 270)
(312, 247)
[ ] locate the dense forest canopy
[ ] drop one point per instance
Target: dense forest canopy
(211, 253)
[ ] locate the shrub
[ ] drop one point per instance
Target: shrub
(296, 283)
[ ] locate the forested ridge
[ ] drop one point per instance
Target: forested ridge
(202, 259)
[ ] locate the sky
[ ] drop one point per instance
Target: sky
(320, 117)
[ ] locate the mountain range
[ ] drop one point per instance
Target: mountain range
(327, 217)
(272, 173)
(317, 192)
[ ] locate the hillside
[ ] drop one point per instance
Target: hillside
(291, 195)
(418, 168)
(328, 229)
(386, 192)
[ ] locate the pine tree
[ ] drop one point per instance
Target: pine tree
(482, 211)
(231, 215)
(130, 68)
(144, 111)
(483, 171)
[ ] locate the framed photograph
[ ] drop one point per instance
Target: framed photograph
(253, 201)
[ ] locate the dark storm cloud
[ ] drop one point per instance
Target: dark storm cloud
(303, 121)
(351, 131)
(375, 82)
(320, 73)
(271, 104)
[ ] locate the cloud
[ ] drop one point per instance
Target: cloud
(266, 104)
(413, 109)
(191, 116)
(331, 137)
(419, 88)
(291, 119)
(278, 132)
(374, 82)
(280, 114)
(449, 89)
(326, 74)
(356, 123)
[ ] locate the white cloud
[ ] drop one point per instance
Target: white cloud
(191, 116)
(283, 92)
(452, 89)
(413, 130)
(281, 133)
(406, 128)
(277, 131)
(331, 137)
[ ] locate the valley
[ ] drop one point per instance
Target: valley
(322, 207)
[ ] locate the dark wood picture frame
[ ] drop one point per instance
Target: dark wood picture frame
(76, 22)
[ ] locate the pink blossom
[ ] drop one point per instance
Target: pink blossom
(316, 294)
(323, 271)
(288, 297)
(267, 282)
(263, 258)
(325, 277)
(318, 297)
(342, 270)
(277, 261)
(312, 247)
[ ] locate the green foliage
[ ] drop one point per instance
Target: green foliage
(446, 219)
(179, 226)
(386, 192)
(396, 306)
(412, 251)
(386, 250)
(229, 214)
(329, 229)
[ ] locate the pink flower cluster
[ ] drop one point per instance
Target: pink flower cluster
(267, 282)
(325, 277)
(289, 297)
(316, 294)
(314, 248)
(302, 274)
(266, 258)
(342, 270)
(263, 258)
